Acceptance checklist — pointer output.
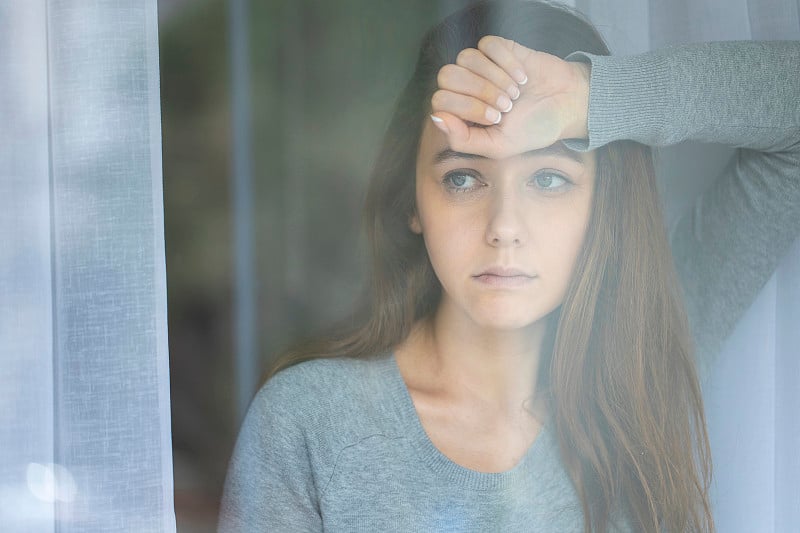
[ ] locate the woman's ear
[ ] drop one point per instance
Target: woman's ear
(414, 225)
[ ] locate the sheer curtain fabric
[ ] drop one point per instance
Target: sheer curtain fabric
(84, 390)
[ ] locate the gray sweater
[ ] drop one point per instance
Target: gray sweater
(336, 445)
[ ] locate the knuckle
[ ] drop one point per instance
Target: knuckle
(466, 55)
(487, 42)
(444, 75)
(441, 77)
(438, 99)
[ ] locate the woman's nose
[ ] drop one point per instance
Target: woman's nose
(506, 223)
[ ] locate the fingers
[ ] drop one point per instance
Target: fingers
(475, 61)
(506, 54)
(465, 107)
(455, 79)
(482, 83)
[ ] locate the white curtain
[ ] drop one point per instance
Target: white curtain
(753, 395)
(84, 393)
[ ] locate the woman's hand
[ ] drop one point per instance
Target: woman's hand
(503, 99)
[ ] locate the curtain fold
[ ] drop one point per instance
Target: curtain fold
(84, 391)
(26, 367)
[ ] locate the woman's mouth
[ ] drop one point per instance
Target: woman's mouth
(504, 277)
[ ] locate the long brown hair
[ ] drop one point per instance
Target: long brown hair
(618, 367)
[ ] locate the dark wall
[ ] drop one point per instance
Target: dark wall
(324, 77)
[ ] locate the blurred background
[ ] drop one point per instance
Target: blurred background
(323, 77)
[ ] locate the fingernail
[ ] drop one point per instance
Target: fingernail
(520, 77)
(504, 103)
(439, 123)
(492, 115)
(513, 91)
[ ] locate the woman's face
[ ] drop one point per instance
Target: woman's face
(503, 235)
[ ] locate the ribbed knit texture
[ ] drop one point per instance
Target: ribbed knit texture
(336, 445)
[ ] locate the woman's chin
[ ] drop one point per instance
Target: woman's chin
(506, 320)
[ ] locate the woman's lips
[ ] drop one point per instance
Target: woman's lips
(504, 277)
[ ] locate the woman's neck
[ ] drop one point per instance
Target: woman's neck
(453, 357)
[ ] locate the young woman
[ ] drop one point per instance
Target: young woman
(524, 361)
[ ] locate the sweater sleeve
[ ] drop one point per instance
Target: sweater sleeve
(743, 94)
(270, 484)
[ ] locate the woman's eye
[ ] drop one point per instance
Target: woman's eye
(549, 180)
(460, 181)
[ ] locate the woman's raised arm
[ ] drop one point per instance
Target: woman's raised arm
(744, 94)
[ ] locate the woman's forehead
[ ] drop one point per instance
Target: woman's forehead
(434, 149)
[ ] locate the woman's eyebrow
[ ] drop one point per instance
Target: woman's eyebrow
(556, 149)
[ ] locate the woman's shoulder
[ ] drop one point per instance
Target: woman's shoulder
(318, 391)
(331, 374)
(320, 407)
